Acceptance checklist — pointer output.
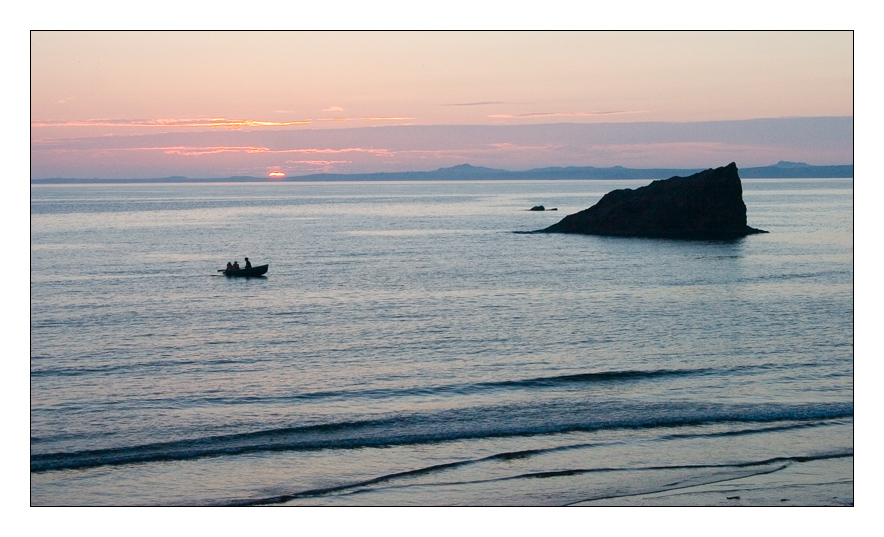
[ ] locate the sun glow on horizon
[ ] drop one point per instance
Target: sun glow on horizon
(276, 174)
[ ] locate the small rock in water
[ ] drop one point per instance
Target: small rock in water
(538, 208)
(733, 497)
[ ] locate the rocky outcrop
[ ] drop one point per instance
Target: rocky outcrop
(706, 205)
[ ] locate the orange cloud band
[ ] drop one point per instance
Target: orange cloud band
(382, 152)
(179, 122)
(211, 150)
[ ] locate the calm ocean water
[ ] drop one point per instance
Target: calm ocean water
(407, 348)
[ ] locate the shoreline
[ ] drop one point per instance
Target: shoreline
(817, 483)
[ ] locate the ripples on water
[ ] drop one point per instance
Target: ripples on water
(407, 348)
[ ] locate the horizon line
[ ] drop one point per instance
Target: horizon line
(464, 166)
(214, 122)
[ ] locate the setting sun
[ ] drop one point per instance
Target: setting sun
(276, 174)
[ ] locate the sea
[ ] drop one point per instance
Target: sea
(410, 345)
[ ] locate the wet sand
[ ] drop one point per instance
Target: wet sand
(827, 482)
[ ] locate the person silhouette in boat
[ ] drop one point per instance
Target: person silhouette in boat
(248, 263)
(236, 265)
(229, 265)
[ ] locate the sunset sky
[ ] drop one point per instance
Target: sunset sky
(218, 104)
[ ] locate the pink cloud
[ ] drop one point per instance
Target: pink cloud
(370, 118)
(212, 150)
(386, 118)
(169, 122)
(169, 150)
(566, 114)
(477, 103)
(199, 151)
(333, 151)
(319, 162)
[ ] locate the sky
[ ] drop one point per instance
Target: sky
(219, 104)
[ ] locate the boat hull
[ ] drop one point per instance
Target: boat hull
(247, 272)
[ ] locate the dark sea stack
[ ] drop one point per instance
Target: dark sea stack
(705, 206)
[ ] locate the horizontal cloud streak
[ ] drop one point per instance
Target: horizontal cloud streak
(377, 118)
(200, 122)
(199, 151)
(566, 114)
(318, 162)
(365, 119)
(211, 150)
(226, 152)
(169, 122)
(331, 151)
(477, 103)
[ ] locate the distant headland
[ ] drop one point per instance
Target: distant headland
(466, 172)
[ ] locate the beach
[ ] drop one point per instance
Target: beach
(818, 483)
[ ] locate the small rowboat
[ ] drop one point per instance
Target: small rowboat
(246, 272)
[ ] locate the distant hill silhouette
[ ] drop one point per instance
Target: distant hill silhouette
(785, 169)
(466, 172)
